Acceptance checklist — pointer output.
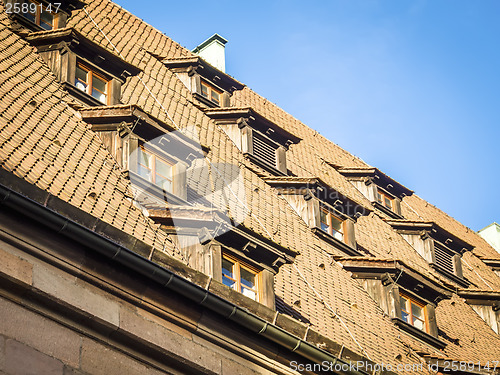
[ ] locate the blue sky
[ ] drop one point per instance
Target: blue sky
(411, 87)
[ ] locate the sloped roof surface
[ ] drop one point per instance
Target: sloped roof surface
(44, 141)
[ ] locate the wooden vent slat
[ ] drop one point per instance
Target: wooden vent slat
(264, 150)
(444, 259)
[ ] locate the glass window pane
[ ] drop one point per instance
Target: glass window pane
(99, 84)
(419, 324)
(388, 202)
(402, 301)
(227, 267)
(204, 90)
(247, 278)
(249, 293)
(99, 96)
(163, 183)
(81, 86)
(322, 216)
(144, 172)
(417, 311)
(46, 19)
(336, 224)
(144, 158)
(81, 74)
(379, 197)
(215, 97)
(163, 169)
(31, 11)
(338, 235)
(406, 317)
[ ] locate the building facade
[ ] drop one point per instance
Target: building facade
(159, 217)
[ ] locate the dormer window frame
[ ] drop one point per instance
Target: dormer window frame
(92, 75)
(408, 305)
(236, 280)
(435, 245)
(310, 197)
(384, 198)
(207, 90)
(193, 70)
(66, 49)
(371, 182)
(327, 220)
(155, 158)
(388, 280)
(263, 142)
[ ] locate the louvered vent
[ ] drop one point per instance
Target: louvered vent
(264, 150)
(444, 259)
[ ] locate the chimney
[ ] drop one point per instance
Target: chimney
(212, 51)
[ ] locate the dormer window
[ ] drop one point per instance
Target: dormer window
(331, 224)
(404, 293)
(92, 83)
(263, 142)
(413, 312)
(88, 72)
(385, 193)
(40, 15)
(240, 277)
(329, 214)
(210, 86)
(441, 249)
(210, 92)
(384, 199)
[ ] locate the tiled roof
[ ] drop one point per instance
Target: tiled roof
(44, 141)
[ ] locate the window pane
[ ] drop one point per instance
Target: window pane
(204, 90)
(417, 311)
(379, 197)
(406, 317)
(163, 169)
(163, 183)
(144, 172)
(402, 301)
(99, 84)
(81, 74)
(388, 202)
(338, 235)
(215, 97)
(336, 224)
(249, 293)
(247, 278)
(31, 13)
(419, 324)
(99, 89)
(46, 20)
(144, 158)
(99, 96)
(227, 267)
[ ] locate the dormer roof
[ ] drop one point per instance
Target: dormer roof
(378, 177)
(195, 64)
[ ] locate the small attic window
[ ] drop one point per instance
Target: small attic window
(155, 169)
(211, 93)
(240, 276)
(331, 224)
(92, 83)
(413, 312)
(90, 73)
(385, 199)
